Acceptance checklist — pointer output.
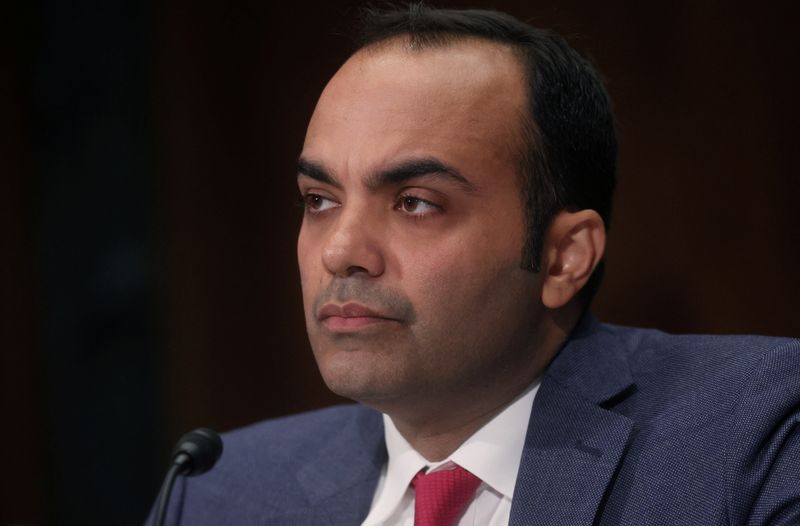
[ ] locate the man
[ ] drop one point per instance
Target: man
(457, 176)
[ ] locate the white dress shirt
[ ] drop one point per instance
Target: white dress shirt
(492, 454)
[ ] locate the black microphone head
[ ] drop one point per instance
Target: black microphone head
(203, 447)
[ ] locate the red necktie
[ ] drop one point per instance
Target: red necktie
(441, 496)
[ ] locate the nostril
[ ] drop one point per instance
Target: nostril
(355, 269)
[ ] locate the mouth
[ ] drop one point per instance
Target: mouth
(351, 317)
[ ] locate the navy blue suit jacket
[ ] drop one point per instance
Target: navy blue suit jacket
(629, 427)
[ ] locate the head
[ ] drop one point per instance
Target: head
(568, 154)
(457, 174)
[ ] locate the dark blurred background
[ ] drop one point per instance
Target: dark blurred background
(148, 224)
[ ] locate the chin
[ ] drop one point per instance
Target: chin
(349, 383)
(355, 378)
(361, 392)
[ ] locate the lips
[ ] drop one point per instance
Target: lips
(350, 316)
(348, 310)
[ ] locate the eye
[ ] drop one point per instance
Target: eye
(416, 206)
(316, 203)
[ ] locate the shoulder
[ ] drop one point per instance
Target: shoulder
(692, 359)
(288, 442)
(724, 410)
(704, 376)
(653, 376)
(299, 431)
(263, 467)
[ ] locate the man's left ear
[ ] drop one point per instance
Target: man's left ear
(574, 245)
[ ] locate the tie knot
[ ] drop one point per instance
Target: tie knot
(441, 496)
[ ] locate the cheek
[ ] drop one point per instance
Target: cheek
(463, 279)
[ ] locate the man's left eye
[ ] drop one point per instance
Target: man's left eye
(416, 206)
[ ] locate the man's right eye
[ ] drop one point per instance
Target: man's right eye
(316, 203)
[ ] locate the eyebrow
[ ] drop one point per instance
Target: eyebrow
(316, 172)
(392, 176)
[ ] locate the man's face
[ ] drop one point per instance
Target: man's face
(411, 241)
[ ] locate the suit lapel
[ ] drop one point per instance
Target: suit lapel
(573, 444)
(340, 479)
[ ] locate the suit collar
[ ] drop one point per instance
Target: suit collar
(593, 363)
(574, 445)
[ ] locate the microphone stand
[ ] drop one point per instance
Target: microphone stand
(178, 465)
(196, 453)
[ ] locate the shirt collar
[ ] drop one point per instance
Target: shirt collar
(493, 453)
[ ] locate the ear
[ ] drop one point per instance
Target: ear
(574, 245)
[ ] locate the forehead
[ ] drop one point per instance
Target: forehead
(463, 102)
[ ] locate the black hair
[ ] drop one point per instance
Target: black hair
(570, 147)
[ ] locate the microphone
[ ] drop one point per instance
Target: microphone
(196, 452)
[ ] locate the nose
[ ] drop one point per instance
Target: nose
(353, 246)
